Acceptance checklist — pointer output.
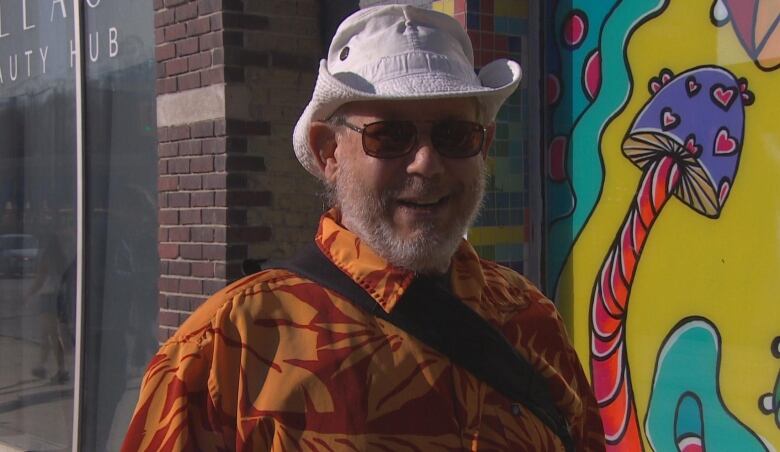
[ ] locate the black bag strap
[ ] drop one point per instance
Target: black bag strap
(436, 317)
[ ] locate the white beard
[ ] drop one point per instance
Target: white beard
(429, 248)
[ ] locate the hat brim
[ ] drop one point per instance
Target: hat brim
(498, 80)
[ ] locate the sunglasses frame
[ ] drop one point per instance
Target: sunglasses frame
(413, 143)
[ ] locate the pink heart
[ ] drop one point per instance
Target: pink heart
(669, 120)
(723, 96)
(725, 188)
(692, 147)
(724, 144)
(692, 86)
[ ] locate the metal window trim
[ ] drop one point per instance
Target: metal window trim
(80, 224)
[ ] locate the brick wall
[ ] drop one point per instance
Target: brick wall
(232, 79)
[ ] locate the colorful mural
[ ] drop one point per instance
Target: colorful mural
(499, 29)
(663, 120)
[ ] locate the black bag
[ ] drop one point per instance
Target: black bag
(436, 317)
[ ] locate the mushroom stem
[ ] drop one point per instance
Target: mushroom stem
(608, 359)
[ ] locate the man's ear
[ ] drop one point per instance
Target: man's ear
(490, 133)
(322, 142)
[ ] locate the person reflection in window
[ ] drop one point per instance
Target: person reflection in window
(43, 295)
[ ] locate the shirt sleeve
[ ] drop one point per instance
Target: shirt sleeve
(538, 332)
(176, 409)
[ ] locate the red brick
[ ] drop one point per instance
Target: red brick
(168, 250)
(167, 183)
(163, 18)
(220, 235)
(166, 317)
(202, 129)
(158, 4)
(220, 198)
(179, 133)
(190, 147)
(162, 167)
(198, 26)
(179, 268)
(194, 286)
(170, 3)
(202, 199)
(190, 216)
(178, 199)
(191, 251)
(191, 182)
(168, 284)
(179, 166)
(212, 181)
(202, 164)
(187, 46)
(159, 36)
(212, 76)
(168, 217)
(166, 86)
(174, 32)
(168, 149)
(189, 81)
(214, 252)
(165, 51)
(186, 12)
(214, 146)
(162, 200)
(199, 61)
(203, 269)
(162, 234)
(211, 40)
(175, 66)
(162, 134)
(214, 216)
(179, 234)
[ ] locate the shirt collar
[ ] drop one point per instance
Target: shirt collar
(385, 282)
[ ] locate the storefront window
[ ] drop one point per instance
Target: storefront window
(121, 190)
(37, 226)
(38, 221)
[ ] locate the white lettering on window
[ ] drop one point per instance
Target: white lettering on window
(25, 25)
(113, 45)
(72, 54)
(44, 52)
(94, 46)
(13, 67)
(62, 9)
(2, 35)
(27, 53)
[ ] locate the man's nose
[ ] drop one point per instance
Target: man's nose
(426, 161)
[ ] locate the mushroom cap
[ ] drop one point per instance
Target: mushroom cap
(699, 116)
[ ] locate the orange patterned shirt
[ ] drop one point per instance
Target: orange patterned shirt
(276, 362)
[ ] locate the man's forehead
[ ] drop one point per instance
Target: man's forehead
(443, 108)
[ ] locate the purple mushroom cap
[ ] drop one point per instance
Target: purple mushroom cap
(699, 116)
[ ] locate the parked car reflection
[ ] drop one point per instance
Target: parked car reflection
(18, 254)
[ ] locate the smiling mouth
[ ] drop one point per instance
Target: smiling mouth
(423, 205)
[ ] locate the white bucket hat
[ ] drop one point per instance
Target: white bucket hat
(400, 52)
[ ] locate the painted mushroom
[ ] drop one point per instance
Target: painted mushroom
(687, 141)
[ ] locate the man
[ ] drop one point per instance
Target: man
(398, 130)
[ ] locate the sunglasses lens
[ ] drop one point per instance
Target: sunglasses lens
(457, 139)
(388, 139)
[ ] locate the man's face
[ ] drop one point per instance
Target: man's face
(413, 209)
